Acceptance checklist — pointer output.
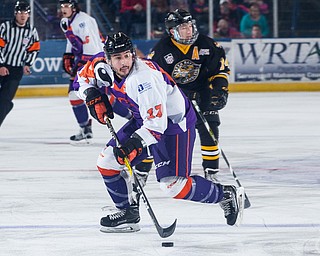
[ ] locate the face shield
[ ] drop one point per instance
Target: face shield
(182, 39)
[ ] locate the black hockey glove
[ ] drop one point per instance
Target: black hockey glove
(131, 149)
(99, 105)
(219, 99)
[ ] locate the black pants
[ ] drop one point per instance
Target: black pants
(8, 88)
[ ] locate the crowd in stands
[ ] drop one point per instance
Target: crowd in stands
(235, 19)
(232, 18)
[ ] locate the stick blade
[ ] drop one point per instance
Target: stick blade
(247, 203)
(166, 232)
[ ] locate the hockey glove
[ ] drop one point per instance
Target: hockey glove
(68, 62)
(219, 99)
(104, 73)
(98, 104)
(77, 66)
(64, 24)
(131, 149)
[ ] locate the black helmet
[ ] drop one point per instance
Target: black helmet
(177, 18)
(22, 6)
(116, 43)
(74, 3)
(174, 19)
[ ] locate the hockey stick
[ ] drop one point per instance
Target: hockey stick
(163, 232)
(247, 203)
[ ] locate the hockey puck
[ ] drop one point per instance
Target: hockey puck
(167, 244)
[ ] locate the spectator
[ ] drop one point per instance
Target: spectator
(264, 7)
(114, 5)
(159, 11)
(254, 17)
(179, 4)
(229, 12)
(224, 30)
(256, 31)
(132, 11)
(200, 12)
(238, 9)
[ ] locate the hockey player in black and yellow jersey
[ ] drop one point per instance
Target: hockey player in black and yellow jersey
(199, 66)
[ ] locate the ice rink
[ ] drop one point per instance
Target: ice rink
(52, 196)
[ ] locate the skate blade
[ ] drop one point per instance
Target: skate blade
(81, 143)
(124, 228)
(240, 200)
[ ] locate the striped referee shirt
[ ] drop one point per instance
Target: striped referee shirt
(19, 46)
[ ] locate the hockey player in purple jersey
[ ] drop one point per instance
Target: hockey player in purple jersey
(199, 67)
(83, 41)
(163, 125)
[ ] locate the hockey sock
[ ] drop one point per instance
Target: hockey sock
(202, 190)
(81, 113)
(117, 187)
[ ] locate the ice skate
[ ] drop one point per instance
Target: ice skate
(122, 221)
(85, 135)
(212, 174)
(233, 204)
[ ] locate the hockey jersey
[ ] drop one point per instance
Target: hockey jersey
(85, 28)
(191, 66)
(148, 92)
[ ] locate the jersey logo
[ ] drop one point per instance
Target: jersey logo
(195, 53)
(162, 164)
(144, 87)
(185, 71)
(169, 58)
(140, 88)
(25, 40)
(204, 52)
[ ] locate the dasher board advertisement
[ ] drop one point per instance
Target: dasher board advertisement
(295, 59)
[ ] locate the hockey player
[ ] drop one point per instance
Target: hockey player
(83, 41)
(199, 66)
(163, 125)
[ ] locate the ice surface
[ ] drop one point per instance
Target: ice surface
(52, 195)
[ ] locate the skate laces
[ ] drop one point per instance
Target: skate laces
(87, 129)
(117, 215)
(226, 203)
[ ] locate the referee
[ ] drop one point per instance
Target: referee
(19, 47)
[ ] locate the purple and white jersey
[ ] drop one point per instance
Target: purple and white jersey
(85, 28)
(152, 96)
